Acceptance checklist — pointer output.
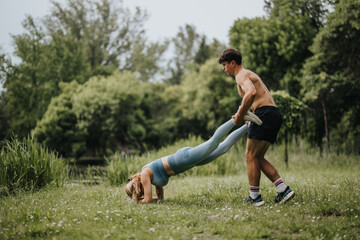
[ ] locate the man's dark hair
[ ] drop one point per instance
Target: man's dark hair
(230, 54)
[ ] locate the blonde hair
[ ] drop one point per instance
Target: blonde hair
(134, 187)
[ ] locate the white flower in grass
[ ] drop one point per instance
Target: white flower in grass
(96, 219)
(152, 229)
(99, 211)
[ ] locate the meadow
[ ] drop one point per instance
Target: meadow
(204, 203)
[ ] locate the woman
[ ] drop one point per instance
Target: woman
(157, 173)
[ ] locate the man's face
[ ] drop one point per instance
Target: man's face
(228, 67)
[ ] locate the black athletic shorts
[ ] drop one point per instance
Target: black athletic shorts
(271, 118)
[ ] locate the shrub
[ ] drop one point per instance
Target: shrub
(26, 165)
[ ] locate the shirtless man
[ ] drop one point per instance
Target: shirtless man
(256, 96)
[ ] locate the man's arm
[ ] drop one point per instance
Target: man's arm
(249, 91)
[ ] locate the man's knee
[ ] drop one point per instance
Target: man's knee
(251, 157)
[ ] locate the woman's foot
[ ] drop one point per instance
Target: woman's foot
(249, 116)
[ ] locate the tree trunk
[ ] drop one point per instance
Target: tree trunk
(286, 148)
(326, 126)
(294, 140)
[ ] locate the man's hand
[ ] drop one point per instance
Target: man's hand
(237, 120)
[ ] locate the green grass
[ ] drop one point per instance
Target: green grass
(326, 205)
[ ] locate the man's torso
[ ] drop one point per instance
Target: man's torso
(262, 97)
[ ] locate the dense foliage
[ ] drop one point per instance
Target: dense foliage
(89, 83)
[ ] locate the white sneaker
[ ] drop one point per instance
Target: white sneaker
(249, 116)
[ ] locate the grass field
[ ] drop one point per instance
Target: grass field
(326, 206)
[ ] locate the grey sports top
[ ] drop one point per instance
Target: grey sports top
(160, 177)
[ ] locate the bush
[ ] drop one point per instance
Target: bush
(27, 165)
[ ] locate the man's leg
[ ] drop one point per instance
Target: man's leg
(269, 170)
(271, 173)
(255, 151)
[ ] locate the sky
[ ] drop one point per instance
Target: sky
(211, 18)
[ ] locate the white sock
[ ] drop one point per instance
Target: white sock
(280, 185)
(254, 191)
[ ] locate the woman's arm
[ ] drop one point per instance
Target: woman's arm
(159, 193)
(146, 183)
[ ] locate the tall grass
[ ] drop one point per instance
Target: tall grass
(26, 165)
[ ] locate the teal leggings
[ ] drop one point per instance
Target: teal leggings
(186, 158)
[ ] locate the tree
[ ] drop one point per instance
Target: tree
(163, 114)
(315, 9)
(107, 30)
(74, 42)
(26, 90)
(4, 114)
(107, 109)
(256, 40)
(186, 42)
(210, 98)
(100, 115)
(275, 46)
(330, 77)
(58, 129)
(145, 59)
(207, 51)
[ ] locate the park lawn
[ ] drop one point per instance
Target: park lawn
(326, 206)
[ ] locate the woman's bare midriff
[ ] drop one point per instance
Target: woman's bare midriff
(167, 167)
